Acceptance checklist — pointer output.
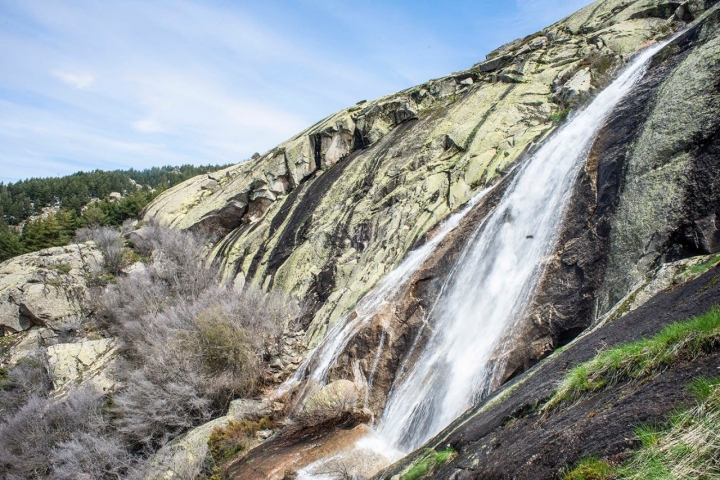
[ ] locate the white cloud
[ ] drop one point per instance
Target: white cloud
(186, 81)
(78, 80)
(148, 125)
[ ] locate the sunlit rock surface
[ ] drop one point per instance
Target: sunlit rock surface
(326, 214)
(46, 288)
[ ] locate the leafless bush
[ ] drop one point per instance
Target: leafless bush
(161, 400)
(29, 377)
(128, 226)
(130, 298)
(176, 270)
(109, 242)
(61, 438)
(187, 362)
(187, 348)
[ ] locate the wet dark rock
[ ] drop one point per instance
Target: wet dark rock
(505, 436)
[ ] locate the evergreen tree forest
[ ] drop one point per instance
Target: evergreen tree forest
(83, 200)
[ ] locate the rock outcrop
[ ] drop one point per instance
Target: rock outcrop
(47, 288)
(183, 457)
(326, 214)
(44, 313)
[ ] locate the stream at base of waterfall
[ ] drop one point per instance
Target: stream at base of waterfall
(480, 304)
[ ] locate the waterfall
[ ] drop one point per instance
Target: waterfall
(494, 280)
(313, 371)
(481, 301)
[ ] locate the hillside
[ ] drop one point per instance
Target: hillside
(45, 212)
(507, 272)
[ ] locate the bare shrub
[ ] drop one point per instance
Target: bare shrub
(109, 242)
(187, 348)
(186, 363)
(61, 438)
(29, 377)
(176, 270)
(128, 226)
(129, 298)
(177, 258)
(162, 399)
(227, 441)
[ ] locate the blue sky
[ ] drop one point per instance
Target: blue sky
(120, 84)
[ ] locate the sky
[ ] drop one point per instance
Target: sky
(110, 85)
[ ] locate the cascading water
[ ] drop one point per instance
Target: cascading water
(494, 280)
(327, 352)
(485, 295)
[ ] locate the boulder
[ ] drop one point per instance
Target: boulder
(247, 407)
(86, 362)
(47, 288)
(337, 396)
(577, 87)
(183, 457)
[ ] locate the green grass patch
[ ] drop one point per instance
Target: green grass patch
(428, 462)
(687, 448)
(559, 116)
(704, 387)
(590, 469)
(226, 442)
(704, 267)
(63, 268)
(640, 359)
(55, 282)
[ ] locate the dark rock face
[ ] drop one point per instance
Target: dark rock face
(503, 437)
(648, 195)
(569, 296)
(667, 202)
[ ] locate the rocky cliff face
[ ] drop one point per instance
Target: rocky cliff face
(648, 196)
(44, 306)
(46, 288)
(329, 212)
(326, 214)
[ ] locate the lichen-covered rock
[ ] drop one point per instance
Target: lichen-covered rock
(328, 213)
(46, 288)
(183, 457)
(669, 206)
(578, 86)
(86, 362)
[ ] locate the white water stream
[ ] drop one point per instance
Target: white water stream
(326, 353)
(495, 278)
(488, 290)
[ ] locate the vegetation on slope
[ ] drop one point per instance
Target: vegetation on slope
(25, 198)
(187, 347)
(81, 199)
(688, 447)
(428, 462)
(636, 360)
